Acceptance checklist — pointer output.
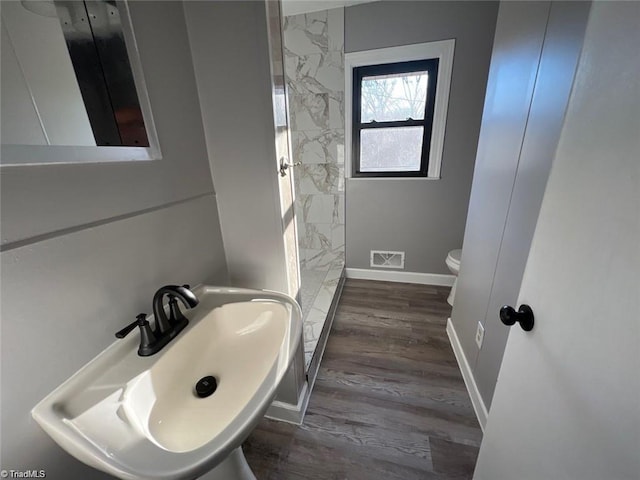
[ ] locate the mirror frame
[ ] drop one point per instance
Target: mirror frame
(22, 155)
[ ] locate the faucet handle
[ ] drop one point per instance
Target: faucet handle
(139, 321)
(175, 315)
(147, 338)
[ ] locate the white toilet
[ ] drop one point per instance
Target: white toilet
(453, 262)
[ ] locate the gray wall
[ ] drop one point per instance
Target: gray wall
(86, 246)
(567, 403)
(238, 115)
(424, 218)
(535, 54)
(239, 124)
(56, 197)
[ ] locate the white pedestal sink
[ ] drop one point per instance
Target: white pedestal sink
(139, 417)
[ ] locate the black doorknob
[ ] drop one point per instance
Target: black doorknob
(524, 316)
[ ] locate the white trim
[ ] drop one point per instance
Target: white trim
(401, 277)
(442, 50)
(287, 412)
(467, 375)
(133, 51)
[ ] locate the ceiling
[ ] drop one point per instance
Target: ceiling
(295, 7)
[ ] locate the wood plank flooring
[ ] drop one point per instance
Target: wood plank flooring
(389, 401)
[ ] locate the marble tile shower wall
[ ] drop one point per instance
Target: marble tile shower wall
(314, 67)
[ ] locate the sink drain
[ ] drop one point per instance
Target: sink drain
(206, 386)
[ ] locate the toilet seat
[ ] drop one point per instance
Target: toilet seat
(453, 260)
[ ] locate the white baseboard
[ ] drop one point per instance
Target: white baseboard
(403, 277)
(467, 375)
(287, 412)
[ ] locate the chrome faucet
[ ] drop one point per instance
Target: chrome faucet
(166, 329)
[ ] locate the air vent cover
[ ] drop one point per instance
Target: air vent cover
(387, 259)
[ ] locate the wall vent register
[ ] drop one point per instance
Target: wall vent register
(386, 259)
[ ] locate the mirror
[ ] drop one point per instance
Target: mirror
(71, 77)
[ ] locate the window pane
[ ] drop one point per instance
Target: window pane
(395, 149)
(393, 97)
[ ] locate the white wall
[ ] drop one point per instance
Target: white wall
(20, 123)
(86, 246)
(44, 68)
(36, 55)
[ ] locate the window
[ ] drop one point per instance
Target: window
(396, 108)
(392, 118)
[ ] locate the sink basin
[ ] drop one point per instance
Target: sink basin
(139, 417)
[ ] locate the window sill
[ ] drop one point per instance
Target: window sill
(422, 179)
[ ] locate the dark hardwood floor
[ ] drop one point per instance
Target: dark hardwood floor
(389, 401)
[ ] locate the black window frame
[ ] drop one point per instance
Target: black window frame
(431, 66)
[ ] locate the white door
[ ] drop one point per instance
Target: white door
(567, 402)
